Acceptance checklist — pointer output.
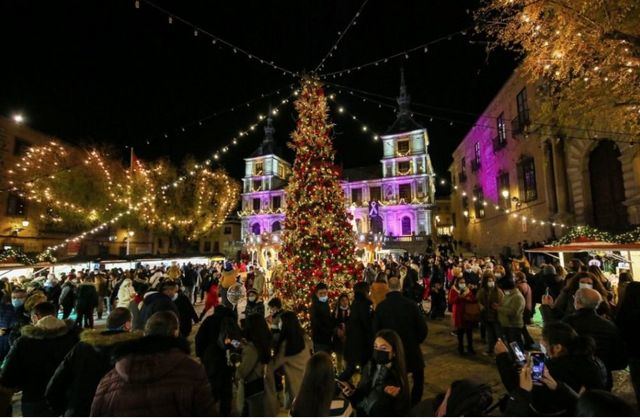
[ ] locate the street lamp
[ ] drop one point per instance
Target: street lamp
(18, 118)
(17, 228)
(25, 223)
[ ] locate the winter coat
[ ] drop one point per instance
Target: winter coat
(258, 283)
(72, 387)
(511, 310)
(250, 369)
(186, 314)
(53, 293)
(321, 322)
(610, 346)
(340, 318)
(174, 272)
(154, 376)
(402, 315)
(410, 286)
(125, 293)
(294, 366)
(359, 332)
(154, 302)
(256, 307)
(8, 320)
(68, 294)
(486, 297)
(35, 355)
(87, 297)
(379, 291)
(458, 303)
(526, 292)
(371, 387)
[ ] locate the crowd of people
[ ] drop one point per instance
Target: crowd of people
(359, 354)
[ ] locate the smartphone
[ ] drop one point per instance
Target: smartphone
(518, 353)
(235, 343)
(537, 367)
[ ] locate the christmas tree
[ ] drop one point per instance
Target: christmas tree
(318, 244)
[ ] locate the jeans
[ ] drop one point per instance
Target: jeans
(493, 333)
(86, 315)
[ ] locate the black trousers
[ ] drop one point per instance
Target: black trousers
(465, 331)
(66, 311)
(418, 385)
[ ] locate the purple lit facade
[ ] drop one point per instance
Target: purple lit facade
(401, 194)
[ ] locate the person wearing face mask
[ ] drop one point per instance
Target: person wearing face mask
(340, 314)
(610, 347)
(564, 304)
(510, 311)
(8, 320)
(459, 296)
(254, 303)
(570, 366)
(383, 389)
(322, 323)
(488, 297)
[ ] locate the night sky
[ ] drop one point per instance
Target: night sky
(105, 72)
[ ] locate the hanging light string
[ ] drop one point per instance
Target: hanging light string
(341, 35)
(201, 121)
(405, 53)
(196, 169)
(217, 155)
(453, 121)
(341, 110)
(215, 40)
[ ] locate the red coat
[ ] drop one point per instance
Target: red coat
(212, 296)
(458, 302)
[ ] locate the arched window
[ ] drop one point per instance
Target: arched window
(406, 225)
(276, 226)
(255, 229)
(358, 225)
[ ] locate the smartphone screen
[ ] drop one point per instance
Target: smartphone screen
(537, 367)
(518, 354)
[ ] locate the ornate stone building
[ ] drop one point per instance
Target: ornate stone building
(544, 176)
(394, 199)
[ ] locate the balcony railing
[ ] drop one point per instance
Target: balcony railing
(499, 142)
(475, 165)
(520, 123)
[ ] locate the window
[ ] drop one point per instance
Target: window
(404, 167)
(20, 146)
(527, 180)
(276, 202)
(465, 202)
(282, 170)
(227, 230)
(16, 205)
(478, 195)
(258, 168)
(257, 184)
(463, 165)
(503, 185)
(356, 195)
(207, 246)
(475, 164)
(406, 225)
(500, 141)
(216, 247)
(255, 229)
(256, 204)
(403, 147)
(276, 226)
(404, 191)
(375, 193)
(523, 107)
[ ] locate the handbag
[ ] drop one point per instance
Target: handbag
(471, 312)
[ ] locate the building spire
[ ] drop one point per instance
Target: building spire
(404, 99)
(269, 129)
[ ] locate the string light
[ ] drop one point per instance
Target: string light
(216, 40)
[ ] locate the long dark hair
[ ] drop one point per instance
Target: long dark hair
(317, 388)
(291, 333)
(629, 311)
(558, 333)
(398, 365)
(257, 332)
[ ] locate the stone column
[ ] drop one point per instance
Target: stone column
(559, 163)
(552, 201)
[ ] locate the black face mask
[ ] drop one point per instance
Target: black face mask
(381, 357)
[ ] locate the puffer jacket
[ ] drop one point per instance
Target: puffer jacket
(154, 376)
(35, 355)
(511, 309)
(73, 385)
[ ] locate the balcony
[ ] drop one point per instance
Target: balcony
(462, 177)
(475, 165)
(499, 142)
(520, 123)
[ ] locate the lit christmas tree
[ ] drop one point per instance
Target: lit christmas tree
(318, 244)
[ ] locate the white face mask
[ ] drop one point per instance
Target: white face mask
(498, 275)
(252, 298)
(584, 285)
(462, 286)
(491, 284)
(344, 307)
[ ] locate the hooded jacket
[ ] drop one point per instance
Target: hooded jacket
(73, 385)
(154, 376)
(34, 356)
